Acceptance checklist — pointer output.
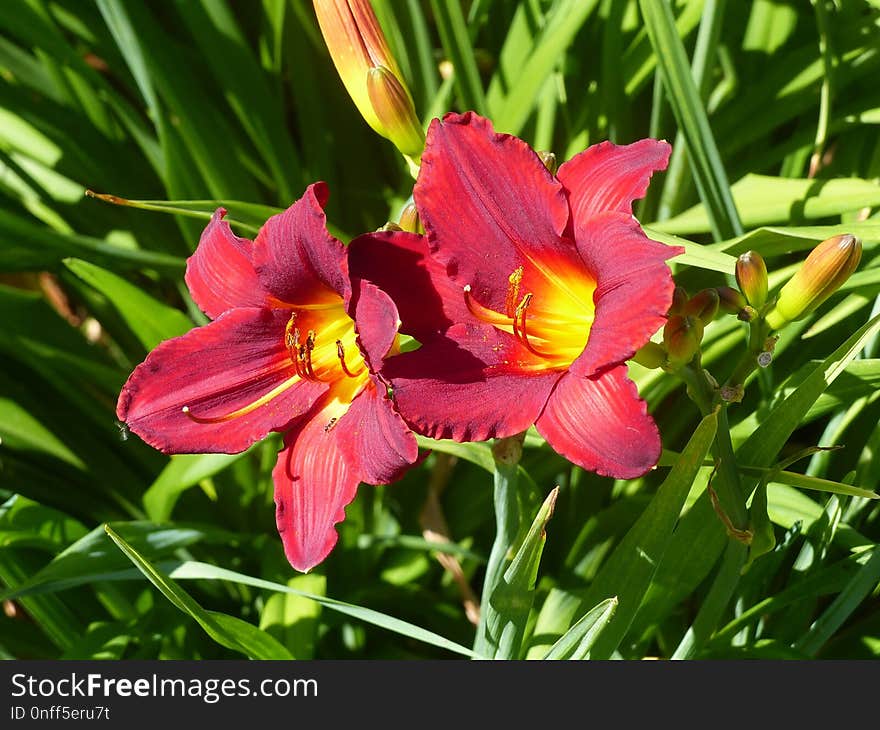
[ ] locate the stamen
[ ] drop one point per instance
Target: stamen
(340, 353)
(513, 282)
(291, 335)
(519, 325)
(307, 357)
(520, 311)
(483, 313)
(244, 410)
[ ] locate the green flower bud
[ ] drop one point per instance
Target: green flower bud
(409, 219)
(827, 267)
(679, 300)
(682, 336)
(730, 300)
(651, 355)
(751, 276)
(703, 305)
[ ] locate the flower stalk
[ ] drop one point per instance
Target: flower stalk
(507, 453)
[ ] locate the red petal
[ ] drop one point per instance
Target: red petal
(375, 318)
(601, 424)
(220, 274)
(313, 485)
(296, 258)
(373, 438)
(606, 177)
(470, 385)
(489, 206)
(215, 370)
(633, 290)
(399, 263)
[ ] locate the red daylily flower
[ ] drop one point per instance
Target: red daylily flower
(528, 292)
(294, 346)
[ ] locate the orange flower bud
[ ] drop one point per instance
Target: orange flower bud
(703, 305)
(358, 48)
(730, 300)
(394, 109)
(682, 337)
(827, 267)
(751, 276)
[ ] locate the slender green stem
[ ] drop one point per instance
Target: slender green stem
(731, 502)
(823, 23)
(507, 453)
(748, 363)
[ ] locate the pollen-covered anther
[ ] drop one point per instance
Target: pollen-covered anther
(513, 282)
(305, 354)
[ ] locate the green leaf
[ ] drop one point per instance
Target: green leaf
(563, 23)
(763, 536)
(579, 639)
(228, 631)
(25, 246)
(248, 216)
(850, 598)
(628, 571)
(788, 506)
(191, 570)
(774, 430)
(684, 97)
(474, 452)
(764, 199)
(293, 619)
(826, 581)
(457, 44)
(91, 558)
(701, 257)
(101, 641)
(773, 241)
(150, 320)
(512, 597)
(182, 472)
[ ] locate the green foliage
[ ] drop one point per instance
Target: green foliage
(180, 108)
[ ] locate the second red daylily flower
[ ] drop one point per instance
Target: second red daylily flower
(294, 346)
(528, 292)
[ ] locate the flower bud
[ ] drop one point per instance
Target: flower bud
(358, 47)
(651, 355)
(730, 300)
(682, 336)
(827, 267)
(395, 111)
(549, 160)
(409, 219)
(703, 305)
(751, 276)
(679, 300)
